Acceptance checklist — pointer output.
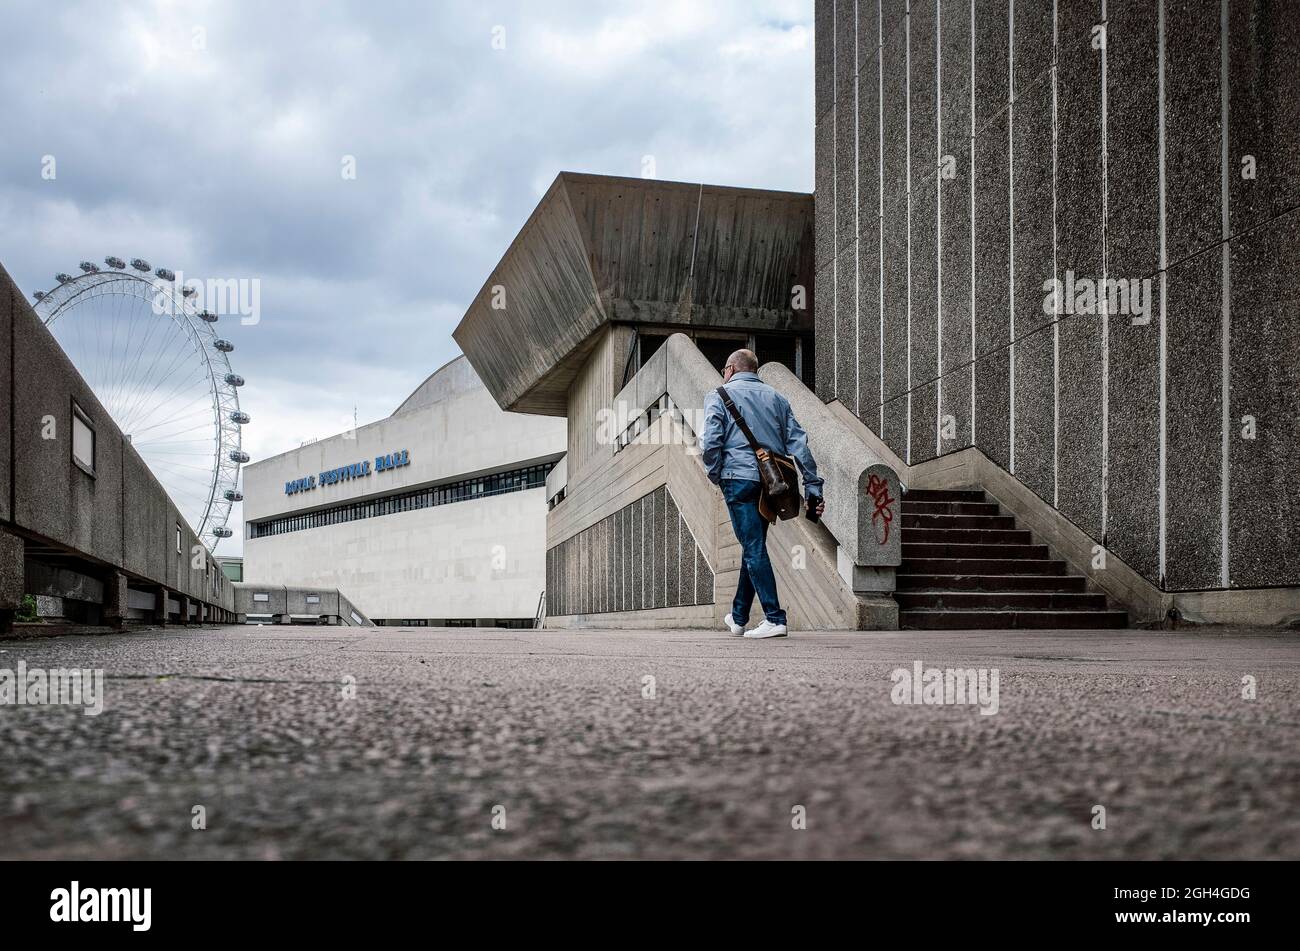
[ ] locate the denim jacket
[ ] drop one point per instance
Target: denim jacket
(726, 452)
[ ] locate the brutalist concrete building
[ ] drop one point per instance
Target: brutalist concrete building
(1058, 247)
(1054, 320)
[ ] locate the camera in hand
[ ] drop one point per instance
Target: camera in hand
(811, 511)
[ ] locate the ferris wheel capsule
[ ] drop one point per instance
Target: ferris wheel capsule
(221, 531)
(238, 455)
(88, 267)
(208, 316)
(62, 278)
(141, 265)
(117, 264)
(240, 418)
(234, 379)
(225, 346)
(234, 495)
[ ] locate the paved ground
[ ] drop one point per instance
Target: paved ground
(446, 725)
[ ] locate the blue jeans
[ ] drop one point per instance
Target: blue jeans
(756, 575)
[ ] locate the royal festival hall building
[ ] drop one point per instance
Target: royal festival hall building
(433, 516)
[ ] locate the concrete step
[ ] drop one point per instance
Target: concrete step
(950, 508)
(1000, 600)
(944, 495)
(968, 566)
(980, 566)
(958, 521)
(913, 549)
(1011, 620)
(966, 536)
(924, 582)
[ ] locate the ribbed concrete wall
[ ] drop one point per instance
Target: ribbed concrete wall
(639, 558)
(969, 152)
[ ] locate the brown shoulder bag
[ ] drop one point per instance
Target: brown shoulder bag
(777, 474)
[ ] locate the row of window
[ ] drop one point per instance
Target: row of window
(513, 623)
(516, 480)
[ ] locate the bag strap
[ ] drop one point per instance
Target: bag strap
(740, 420)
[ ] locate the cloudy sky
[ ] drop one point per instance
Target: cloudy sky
(210, 138)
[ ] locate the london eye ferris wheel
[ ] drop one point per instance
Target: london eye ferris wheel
(154, 359)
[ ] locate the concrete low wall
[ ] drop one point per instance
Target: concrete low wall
(285, 604)
(105, 533)
(862, 490)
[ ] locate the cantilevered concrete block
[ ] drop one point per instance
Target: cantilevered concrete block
(599, 249)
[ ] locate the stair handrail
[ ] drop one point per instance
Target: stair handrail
(863, 492)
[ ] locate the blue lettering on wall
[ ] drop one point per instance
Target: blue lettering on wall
(300, 485)
(392, 461)
(357, 470)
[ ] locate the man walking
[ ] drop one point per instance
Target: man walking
(731, 463)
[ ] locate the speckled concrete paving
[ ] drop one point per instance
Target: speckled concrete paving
(251, 724)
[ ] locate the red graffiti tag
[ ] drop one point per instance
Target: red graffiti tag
(878, 489)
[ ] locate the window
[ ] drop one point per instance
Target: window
(178, 538)
(313, 599)
(83, 441)
(261, 597)
(776, 348)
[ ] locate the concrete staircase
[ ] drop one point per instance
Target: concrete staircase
(966, 565)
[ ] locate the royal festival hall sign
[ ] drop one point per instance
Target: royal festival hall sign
(357, 470)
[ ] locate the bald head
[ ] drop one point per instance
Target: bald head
(743, 361)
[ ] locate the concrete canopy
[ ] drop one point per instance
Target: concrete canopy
(600, 249)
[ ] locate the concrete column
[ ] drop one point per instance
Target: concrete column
(115, 600)
(160, 607)
(12, 581)
(183, 607)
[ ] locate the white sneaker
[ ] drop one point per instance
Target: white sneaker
(767, 629)
(733, 627)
